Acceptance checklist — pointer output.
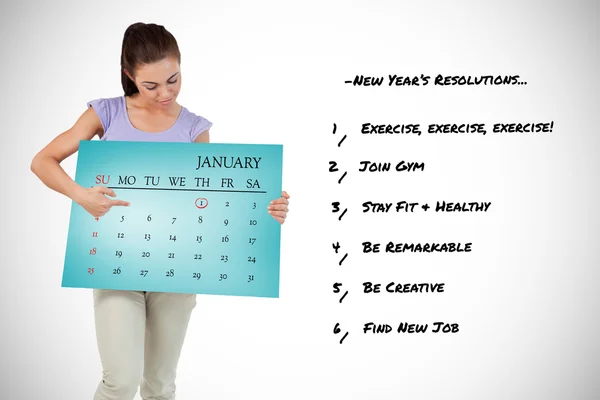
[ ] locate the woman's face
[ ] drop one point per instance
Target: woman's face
(159, 83)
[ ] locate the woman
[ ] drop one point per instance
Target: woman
(140, 335)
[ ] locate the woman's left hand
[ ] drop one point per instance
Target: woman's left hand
(278, 208)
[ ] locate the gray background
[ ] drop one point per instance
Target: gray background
(273, 72)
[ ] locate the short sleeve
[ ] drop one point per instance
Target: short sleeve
(200, 125)
(101, 107)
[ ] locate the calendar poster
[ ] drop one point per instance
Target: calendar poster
(197, 220)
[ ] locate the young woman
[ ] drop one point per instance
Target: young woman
(140, 334)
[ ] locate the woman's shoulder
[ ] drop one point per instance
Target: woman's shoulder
(192, 116)
(190, 113)
(106, 103)
(195, 122)
(112, 99)
(108, 109)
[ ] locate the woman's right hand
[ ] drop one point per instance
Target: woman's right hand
(94, 201)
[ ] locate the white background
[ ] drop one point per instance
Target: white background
(273, 72)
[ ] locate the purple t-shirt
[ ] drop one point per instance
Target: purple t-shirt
(112, 112)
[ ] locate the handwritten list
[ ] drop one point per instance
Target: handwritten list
(374, 204)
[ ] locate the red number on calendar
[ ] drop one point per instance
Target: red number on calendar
(90, 271)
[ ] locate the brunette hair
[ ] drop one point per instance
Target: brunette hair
(144, 44)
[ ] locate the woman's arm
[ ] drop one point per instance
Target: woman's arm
(46, 163)
(46, 166)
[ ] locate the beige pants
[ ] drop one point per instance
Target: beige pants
(140, 336)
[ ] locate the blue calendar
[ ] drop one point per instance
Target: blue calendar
(197, 222)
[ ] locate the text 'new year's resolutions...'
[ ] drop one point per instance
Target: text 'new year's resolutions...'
(374, 204)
